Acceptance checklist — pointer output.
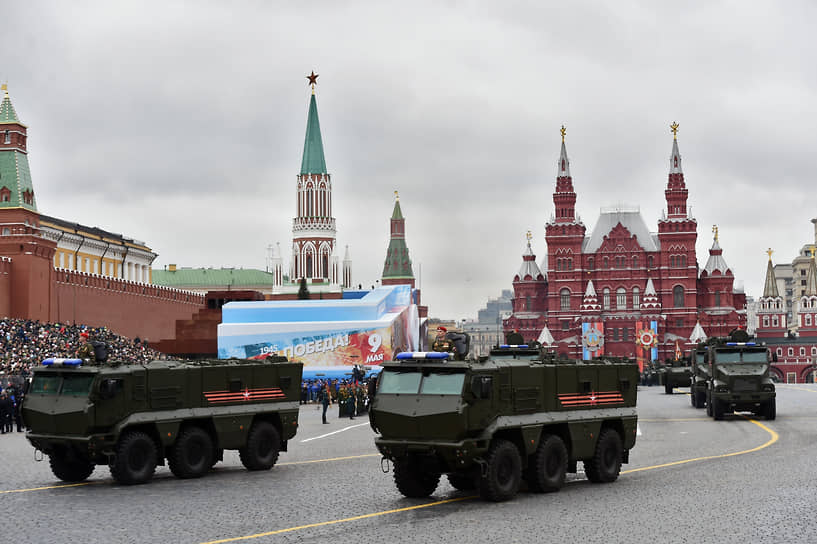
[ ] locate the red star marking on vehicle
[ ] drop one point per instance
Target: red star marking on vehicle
(592, 398)
(246, 393)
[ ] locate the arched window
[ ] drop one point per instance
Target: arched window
(808, 320)
(717, 298)
(606, 299)
(564, 298)
(775, 321)
(606, 263)
(672, 261)
(765, 320)
(527, 303)
(636, 298)
(325, 263)
(590, 263)
(650, 261)
(308, 265)
(570, 264)
(683, 261)
(621, 299)
(678, 296)
(635, 261)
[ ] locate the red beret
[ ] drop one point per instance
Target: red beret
(442, 329)
(84, 335)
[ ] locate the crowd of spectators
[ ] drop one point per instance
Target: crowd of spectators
(25, 343)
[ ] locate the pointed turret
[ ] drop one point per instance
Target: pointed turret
(770, 287)
(564, 198)
(529, 269)
(811, 277)
(397, 268)
(313, 161)
(650, 299)
(590, 302)
(715, 260)
(347, 269)
(698, 334)
(16, 188)
(676, 192)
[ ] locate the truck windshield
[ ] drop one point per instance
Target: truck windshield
(45, 384)
(400, 382)
(754, 357)
(414, 382)
(442, 384)
(77, 385)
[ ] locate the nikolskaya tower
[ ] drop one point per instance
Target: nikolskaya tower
(314, 255)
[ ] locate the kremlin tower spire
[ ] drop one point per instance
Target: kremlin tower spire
(565, 197)
(807, 306)
(313, 229)
(397, 268)
(676, 192)
(16, 189)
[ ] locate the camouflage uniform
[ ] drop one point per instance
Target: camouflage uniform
(86, 351)
(444, 344)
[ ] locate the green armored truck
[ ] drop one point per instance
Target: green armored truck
(739, 377)
(489, 423)
(674, 374)
(699, 382)
(133, 417)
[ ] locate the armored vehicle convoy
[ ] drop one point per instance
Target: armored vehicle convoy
(675, 374)
(489, 423)
(739, 377)
(133, 417)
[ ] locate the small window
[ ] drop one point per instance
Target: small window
(8, 137)
(791, 352)
(678, 296)
(717, 299)
(650, 261)
(636, 297)
(591, 263)
(565, 324)
(802, 352)
(606, 299)
(625, 332)
(615, 334)
(621, 299)
(564, 299)
(635, 262)
(780, 351)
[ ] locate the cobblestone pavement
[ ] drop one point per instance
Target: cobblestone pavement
(329, 487)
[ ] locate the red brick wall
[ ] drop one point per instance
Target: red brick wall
(5, 287)
(127, 308)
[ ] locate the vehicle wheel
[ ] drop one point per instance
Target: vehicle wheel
(605, 464)
(667, 389)
(771, 409)
(462, 482)
(261, 450)
(504, 472)
(413, 479)
(693, 399)
(708, 404)
(135, 459)
(547, 467)
(192, 454)
(701, 400)
(717, 409)
(70, 467)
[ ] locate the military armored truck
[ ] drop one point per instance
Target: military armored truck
(699, 382)
(489, 423)
(674, 374)
(739, 377)
(133, 417)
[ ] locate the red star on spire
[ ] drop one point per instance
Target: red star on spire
(313, 78)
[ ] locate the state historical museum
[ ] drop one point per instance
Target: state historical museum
(622, 290)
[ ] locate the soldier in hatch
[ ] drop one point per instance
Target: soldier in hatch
(442, 343)
(86, 349)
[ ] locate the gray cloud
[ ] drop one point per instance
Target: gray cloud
(182, 124)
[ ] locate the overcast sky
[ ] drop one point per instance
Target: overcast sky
(181, 124)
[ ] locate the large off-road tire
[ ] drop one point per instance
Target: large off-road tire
(605, 464)
(709, 404)
(503, 472)
(462, 482)
(771, 409)
(135, 459)
(701, 399)
(547, 467)
(413, 479)
(192, 454)
(717, 409)
(70, 467)
(668, 389)
(263, 445)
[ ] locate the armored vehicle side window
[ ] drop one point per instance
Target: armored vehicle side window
(442, 384)
(77, 385)
(400, 382)
(749, 357)
(45, 385)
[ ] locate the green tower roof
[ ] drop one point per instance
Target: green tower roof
(398, 264)
(313, 161)
(397, 213)
(7, 113)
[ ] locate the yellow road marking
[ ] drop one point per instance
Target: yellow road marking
(47, 487)
(336, 521)
(774, 438)
(332, 459)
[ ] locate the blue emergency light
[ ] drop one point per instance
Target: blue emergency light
(513, 346)
(741, 344)
(52, 361)
(422, 355)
